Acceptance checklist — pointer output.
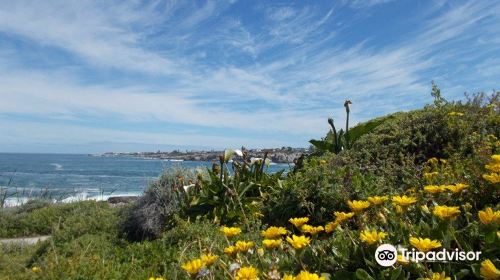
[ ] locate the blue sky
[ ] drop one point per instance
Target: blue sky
(92, 76)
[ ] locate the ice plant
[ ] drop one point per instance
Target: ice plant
(402, 260)
(433, 189)
(492, 177)
(358, 205)
(244, 246)
(36, 269)
(209, 259)
(247, 273)
(271, 243)
(230, 231)
(446, 212)
(193, 267)
(273, 232)
(298, 222)
(424, 244)
(488, 270)
(298, 242)
(488, 217)
(430, 175)
(342, 216)
(404, 201)
(311, 229)
(372, 237)
(331, 226)
(230, 250)
(438, 276)
(457, 187)
(377, 200)
(305, 275)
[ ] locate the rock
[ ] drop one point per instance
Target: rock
(122, 199)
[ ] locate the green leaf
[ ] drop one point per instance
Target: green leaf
(361, 274)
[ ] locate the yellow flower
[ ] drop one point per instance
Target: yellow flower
(492, 177)
(209, 259)
(36, 269)
(230, 231)
(312, 230)
(495, 168)
(425, 209)
(342, 216)
(488, 270)
(433, 189)
(298, 222)
(287, 277)
(271, 243)
(458, 114)
(430, 175)
(457, 187)
(298, 242)
(487, 216)
(358, 205)
(322, 161)
(446, 212)
(243, 246)
(376, 200)
(230, 250)
(193, 267)
(404, 200)
(304, 275)
(399, 209)
(402, 260)
(438, 276)
(432, 160)
(372, 237)
(247, 273)
(424, 244)
(156, 278)
(330, 227)
(495, 158)
(273, 232)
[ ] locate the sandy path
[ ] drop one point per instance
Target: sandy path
(25, 240)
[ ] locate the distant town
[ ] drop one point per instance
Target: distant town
(276, 155)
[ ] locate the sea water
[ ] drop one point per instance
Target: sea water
(70, 177)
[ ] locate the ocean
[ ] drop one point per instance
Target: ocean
(70, 177)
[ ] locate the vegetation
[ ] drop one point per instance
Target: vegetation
(426, 179)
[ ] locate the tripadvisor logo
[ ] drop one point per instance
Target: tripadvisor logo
(387, 255)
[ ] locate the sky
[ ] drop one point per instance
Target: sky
(93, 76)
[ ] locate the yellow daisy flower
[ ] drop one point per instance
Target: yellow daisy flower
(372, 237)
(298, 242)
(487, 216)
(404, 200)
(209, 259)
(438, 276)
(273, 232)
(446, 212)
(488, 270)
(377, 200)
(230, 231)
(247, 273)
(298, 222)
(194, 266)
(305, 275)
(424, 244)
(358, 205)
(342, 216)
(244, 246)
(312, 230)
(271, 243)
